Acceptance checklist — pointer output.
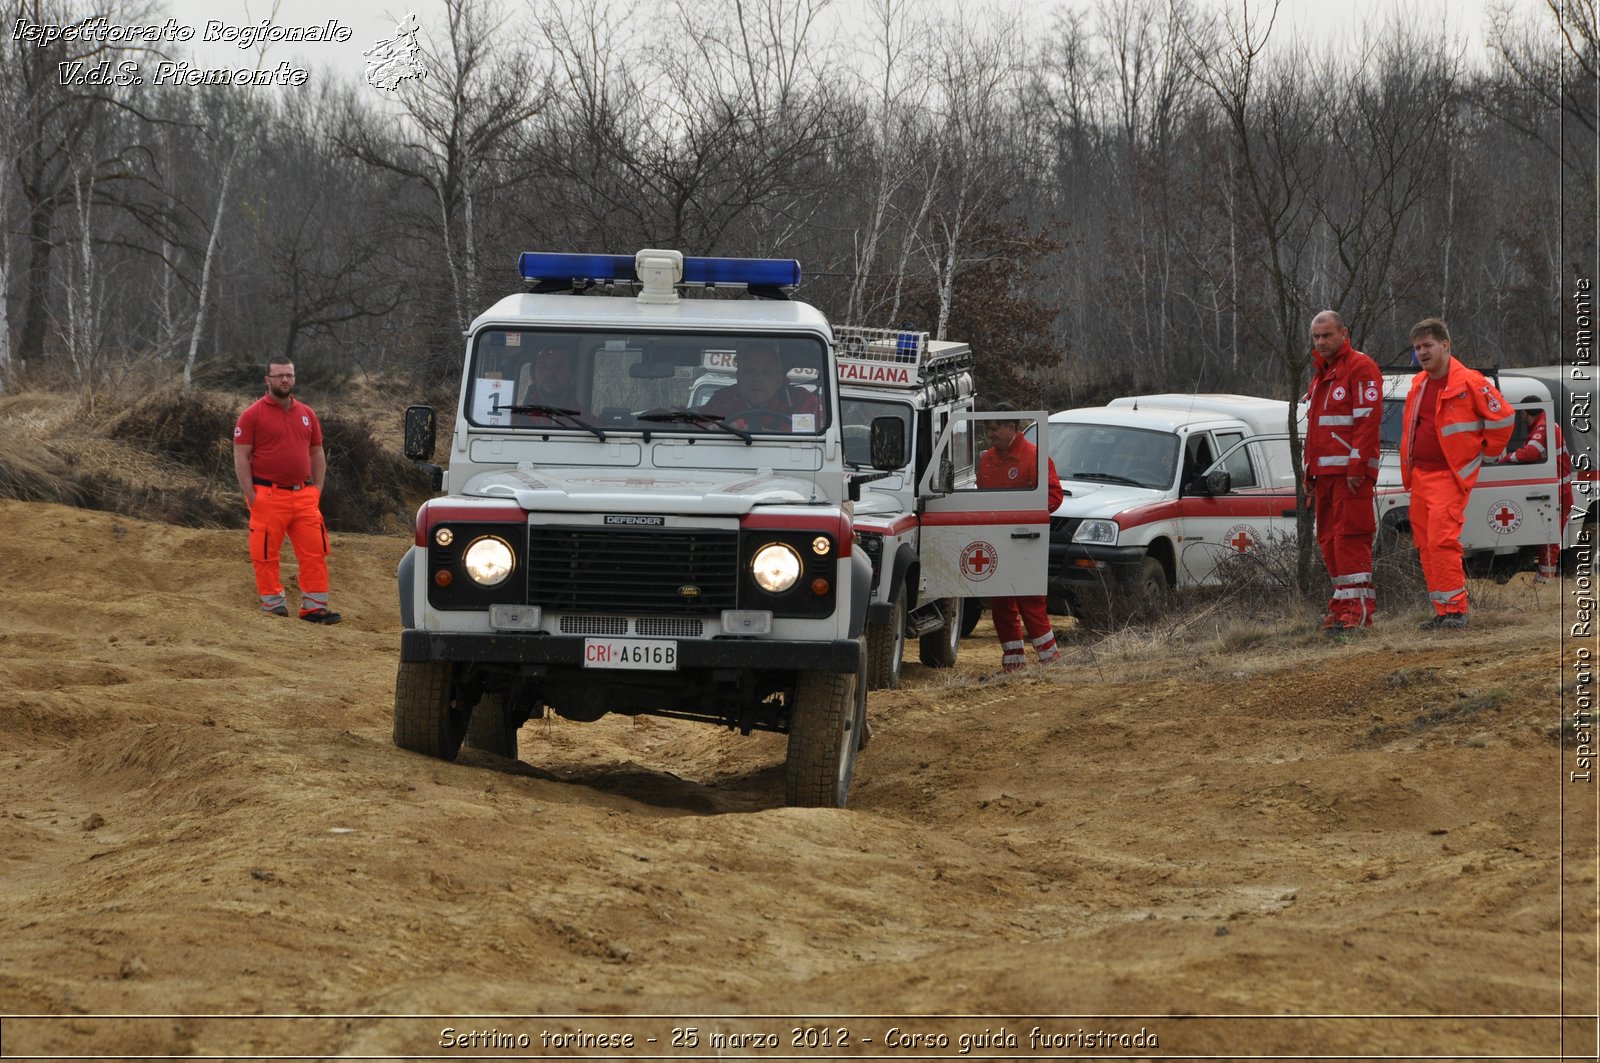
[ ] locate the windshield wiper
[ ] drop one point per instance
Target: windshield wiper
(1109, 477)
(535, 409)
(681, 415)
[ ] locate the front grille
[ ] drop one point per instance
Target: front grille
(594, 625)
(670, 627)
(1062, 529)
(647, 571)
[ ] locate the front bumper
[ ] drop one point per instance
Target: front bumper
(745, 654)
(1079, 566)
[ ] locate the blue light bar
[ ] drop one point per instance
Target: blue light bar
(557, 266)
(775, 272)
(554, 266)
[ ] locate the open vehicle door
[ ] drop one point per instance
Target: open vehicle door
(983, 542)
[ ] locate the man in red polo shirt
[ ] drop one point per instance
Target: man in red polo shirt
(278, 458)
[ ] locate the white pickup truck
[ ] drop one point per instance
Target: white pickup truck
(1160, 490)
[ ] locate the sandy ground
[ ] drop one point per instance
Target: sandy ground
(1339, 848)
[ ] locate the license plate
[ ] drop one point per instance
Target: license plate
(657, 655)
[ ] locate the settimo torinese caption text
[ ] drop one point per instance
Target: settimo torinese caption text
(100, 31)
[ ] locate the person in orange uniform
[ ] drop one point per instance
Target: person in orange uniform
(280, 465)
(1344, 408)
(1532, 452)
(1454, 421)
(1012, 463)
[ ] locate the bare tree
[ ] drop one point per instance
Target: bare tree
(460, 119)
(1272, 121)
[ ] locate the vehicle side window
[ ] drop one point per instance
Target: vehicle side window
(1240, 471)
(1196, 459)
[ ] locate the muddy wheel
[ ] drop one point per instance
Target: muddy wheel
(971, 613)
(491, 728)
(427, 717)
(886, 647)
(825, 730)
(939, 648)
(1151, 593)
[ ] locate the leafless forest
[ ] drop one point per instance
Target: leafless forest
(1142, 193)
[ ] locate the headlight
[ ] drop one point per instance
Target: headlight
(775, 567)
(489, 561)
(1099, 532)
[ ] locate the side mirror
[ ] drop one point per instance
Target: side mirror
(888, 446)
(1218, 482)
(421, 432)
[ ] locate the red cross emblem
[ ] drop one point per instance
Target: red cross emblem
(1241, 537)
(1504, 517)
(978, 561)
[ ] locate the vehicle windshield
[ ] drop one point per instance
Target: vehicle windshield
(578, 381)
(1114, 454)
(856, 416)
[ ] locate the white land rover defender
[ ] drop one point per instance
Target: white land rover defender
(608, 542)
(602, 546)
(923, 384)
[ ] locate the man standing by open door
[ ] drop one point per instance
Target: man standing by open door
(1011, 463)
(1454, 420)
(1343, 409)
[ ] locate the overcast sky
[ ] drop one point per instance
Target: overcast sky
(373, 20)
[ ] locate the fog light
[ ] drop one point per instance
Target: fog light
(515, 617)
(746, 622)
(819, 587)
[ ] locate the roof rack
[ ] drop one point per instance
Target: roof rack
(896, 358)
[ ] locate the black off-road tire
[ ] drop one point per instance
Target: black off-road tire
(1108, 607)
(940, 648)
(1153, 596)
(826, 724)
(886, 647)
(428, 719)
(491, 728)
(971, 613)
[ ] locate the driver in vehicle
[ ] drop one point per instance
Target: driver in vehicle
(762, 399)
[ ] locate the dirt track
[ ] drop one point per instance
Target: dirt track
(203, 814)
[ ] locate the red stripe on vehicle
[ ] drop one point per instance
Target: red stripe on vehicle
(836, 525)
(997, 516)
(486, 512)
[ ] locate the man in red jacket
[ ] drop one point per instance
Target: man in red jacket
(1344, 407)
(1532, 452)
(1012, 463)
(1454, 420)
(280, 465)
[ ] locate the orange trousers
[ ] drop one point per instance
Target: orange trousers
(278, 513)
(1010, 615)
(1346, 521)
(1438, 509)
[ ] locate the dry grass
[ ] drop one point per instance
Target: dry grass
(167, 456)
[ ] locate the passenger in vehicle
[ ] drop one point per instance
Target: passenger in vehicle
(762, 399)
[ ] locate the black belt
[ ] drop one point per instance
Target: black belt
(259, 482)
